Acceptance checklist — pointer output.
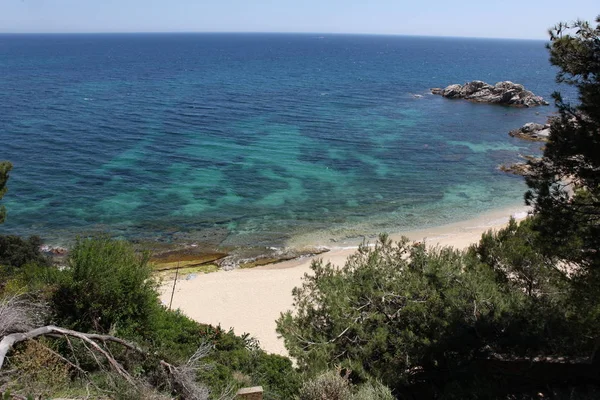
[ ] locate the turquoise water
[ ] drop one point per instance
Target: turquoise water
(237, 140)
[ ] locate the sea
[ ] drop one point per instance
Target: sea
(255, 139)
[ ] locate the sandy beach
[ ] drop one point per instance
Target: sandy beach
(250, 300)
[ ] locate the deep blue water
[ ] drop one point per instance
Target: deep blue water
(242, 139)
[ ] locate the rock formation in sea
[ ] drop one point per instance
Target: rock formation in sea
(532, 131)
(520, 168)
(506, 93)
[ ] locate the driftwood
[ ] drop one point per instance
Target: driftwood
(182, 378)
(19, 314)
(10, 340)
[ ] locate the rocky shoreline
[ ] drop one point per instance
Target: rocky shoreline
(519, 168)
(203, 258)
(531, 131)
(503, 93)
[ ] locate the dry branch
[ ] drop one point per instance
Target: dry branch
(182, 377)
(18, 314)
(10, 340)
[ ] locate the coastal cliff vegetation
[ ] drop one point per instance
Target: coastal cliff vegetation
(515, 316)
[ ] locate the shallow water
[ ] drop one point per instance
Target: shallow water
(253, 139)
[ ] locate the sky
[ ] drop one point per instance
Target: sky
(523, 19)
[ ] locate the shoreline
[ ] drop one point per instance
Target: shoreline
(250, 300)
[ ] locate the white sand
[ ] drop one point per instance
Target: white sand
(250, 300)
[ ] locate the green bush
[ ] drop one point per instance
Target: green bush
(557, 316)
(24, 268)
(16, 251)
(514, 254)
(106, 285)
(38, 280)
(176, 336)
(277, 375)
(238, 360)
(373, 391)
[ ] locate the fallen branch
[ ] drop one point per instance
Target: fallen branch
(10, 340)
(182, 377)
(17, 314)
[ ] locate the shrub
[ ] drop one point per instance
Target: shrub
(37, 280)
(39, 369)
(175, 336)
(234, 360)
(16, 251)
(373, 391)
(107, 285)
(329, 385)
(514, 254)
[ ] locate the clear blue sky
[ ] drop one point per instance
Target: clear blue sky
(528, 19)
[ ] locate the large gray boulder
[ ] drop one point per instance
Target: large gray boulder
(453, 91)
(532, 131)
(506, 93)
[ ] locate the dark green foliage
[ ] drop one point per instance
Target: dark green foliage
(175, 335)
(565, 185)
(238, 360)
(431, 322)
(107, 285)
(395, 310)
(16, 251)
(5, 168)
(23, 266)
(514, 254)
(546, 321)
(277, 374)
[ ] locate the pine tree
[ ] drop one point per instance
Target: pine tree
(5, 168)
(565, 185)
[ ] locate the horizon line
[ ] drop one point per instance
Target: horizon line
(268, 33)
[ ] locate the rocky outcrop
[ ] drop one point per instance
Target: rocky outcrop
(532, 131)
(520, 168)
(267, 256)
(505, 93)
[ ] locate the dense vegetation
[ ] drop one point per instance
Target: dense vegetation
(565, 186)
(517, 315)
(441, 323)
(107, 288)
